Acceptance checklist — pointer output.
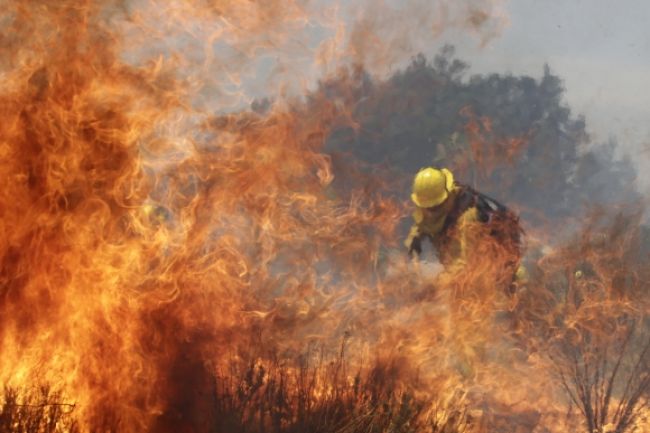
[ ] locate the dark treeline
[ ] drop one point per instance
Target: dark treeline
(514, 137)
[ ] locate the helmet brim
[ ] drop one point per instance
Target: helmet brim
(420, 202)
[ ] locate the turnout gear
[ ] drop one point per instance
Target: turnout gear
(446, 209)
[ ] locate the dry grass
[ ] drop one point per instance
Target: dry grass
(36, 411)
(325, 399)
(262, 396)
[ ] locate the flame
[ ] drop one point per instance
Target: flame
(485, 147)
(156, 243)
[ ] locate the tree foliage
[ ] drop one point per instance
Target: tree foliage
(513, 136)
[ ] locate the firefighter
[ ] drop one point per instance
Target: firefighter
(445, 211)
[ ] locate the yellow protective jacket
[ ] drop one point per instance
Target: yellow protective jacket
(449, 226)
(436, 225)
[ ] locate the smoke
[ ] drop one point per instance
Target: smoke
(153, 235)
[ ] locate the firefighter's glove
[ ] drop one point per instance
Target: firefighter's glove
(415, 247)
(519, 279)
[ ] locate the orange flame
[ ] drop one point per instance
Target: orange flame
(147, 245)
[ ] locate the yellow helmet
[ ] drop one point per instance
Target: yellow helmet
(431, 186)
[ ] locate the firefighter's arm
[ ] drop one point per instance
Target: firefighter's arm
(413, 241)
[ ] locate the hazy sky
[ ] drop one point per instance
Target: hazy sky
(600, 48)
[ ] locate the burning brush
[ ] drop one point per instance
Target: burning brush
(171, 261)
